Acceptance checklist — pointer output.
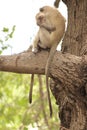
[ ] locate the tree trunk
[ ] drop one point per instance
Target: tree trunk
(71, 96)
(75, 41)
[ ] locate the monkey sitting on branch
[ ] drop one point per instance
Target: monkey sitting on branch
(51, 30)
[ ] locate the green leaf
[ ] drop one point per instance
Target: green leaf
(11, 34)
(0, 51)
(4, 47)
(5, 29)
(1, 41)
(25, 128)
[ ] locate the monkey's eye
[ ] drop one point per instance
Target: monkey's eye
(41, 9)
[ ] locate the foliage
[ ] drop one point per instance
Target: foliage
(8, 34)
(16, 112)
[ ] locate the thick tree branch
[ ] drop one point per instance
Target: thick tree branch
(25, 62)
(64, 66)
(56, 3)
(28, 62)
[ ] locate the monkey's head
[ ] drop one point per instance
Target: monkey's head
(40, 19)
(43, 17)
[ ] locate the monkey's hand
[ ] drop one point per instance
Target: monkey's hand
(52, 29)
(34, 50)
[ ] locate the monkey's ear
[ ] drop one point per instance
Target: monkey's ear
(41, 9)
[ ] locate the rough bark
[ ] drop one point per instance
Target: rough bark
(70, 90)
(71, 93)
(56, 3)
(75, 40)
(26, 62)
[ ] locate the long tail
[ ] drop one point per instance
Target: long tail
(31, 88)
(48, 93)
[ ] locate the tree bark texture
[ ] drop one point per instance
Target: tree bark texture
(69, 86)
(75, 40)
(70, 92)
(56, 3)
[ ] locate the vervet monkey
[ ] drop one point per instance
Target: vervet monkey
(51, 30)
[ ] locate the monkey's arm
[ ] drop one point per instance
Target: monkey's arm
(35, 43)
(49, 28)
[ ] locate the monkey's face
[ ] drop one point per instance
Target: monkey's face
(40, 19)
(44, 17)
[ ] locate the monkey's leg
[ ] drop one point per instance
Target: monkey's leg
(35, 43)
(31, 88)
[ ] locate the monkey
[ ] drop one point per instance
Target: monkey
(51, 30)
